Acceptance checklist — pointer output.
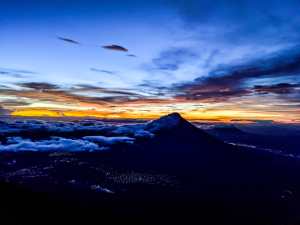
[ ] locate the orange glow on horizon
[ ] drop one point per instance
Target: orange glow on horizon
(211, 116)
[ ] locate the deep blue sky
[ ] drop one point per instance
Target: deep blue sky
(233, 54)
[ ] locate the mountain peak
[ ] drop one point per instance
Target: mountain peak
(166, 122)
(173, 115)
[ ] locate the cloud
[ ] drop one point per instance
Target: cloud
(109, 133)
(68, 136)
(3, 111)
(68, 40)
(53, 144)
(102, 140)
(13, 103)
(47, 128)
(265, 21)
(235, 80)
(253, 121)
(103, 71)
(78, 94)
(210, 59)
(154, 88)
(172, 59)
(131, 55)
(39, 86)
(137, 131)
(17, 73)
(116, 94)
(115, 48)
(281, 88)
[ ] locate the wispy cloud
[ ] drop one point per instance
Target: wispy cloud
(103, 71)
(172, 59)
(17, 73)
(81, 93)
(132, 55)
(69, 40)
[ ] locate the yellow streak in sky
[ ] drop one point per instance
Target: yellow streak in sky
(218, 115)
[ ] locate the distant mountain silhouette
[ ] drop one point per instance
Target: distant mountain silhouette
(228, 129)
(230, 133)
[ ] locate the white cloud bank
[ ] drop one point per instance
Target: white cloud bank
(102, 140)
(53, 144)
(66, 135)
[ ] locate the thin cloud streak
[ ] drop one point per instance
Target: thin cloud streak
(68, 40)
(115, 48)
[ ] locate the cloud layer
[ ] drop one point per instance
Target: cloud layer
(71, 136)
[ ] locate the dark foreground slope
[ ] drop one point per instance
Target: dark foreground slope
(180, 176)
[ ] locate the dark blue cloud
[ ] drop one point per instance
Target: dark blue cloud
(39, 86)
(281, 88)
(171, 59)
(236, 81)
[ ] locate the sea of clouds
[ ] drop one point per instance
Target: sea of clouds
(86, 135)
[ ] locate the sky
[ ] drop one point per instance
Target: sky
(219, 60)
